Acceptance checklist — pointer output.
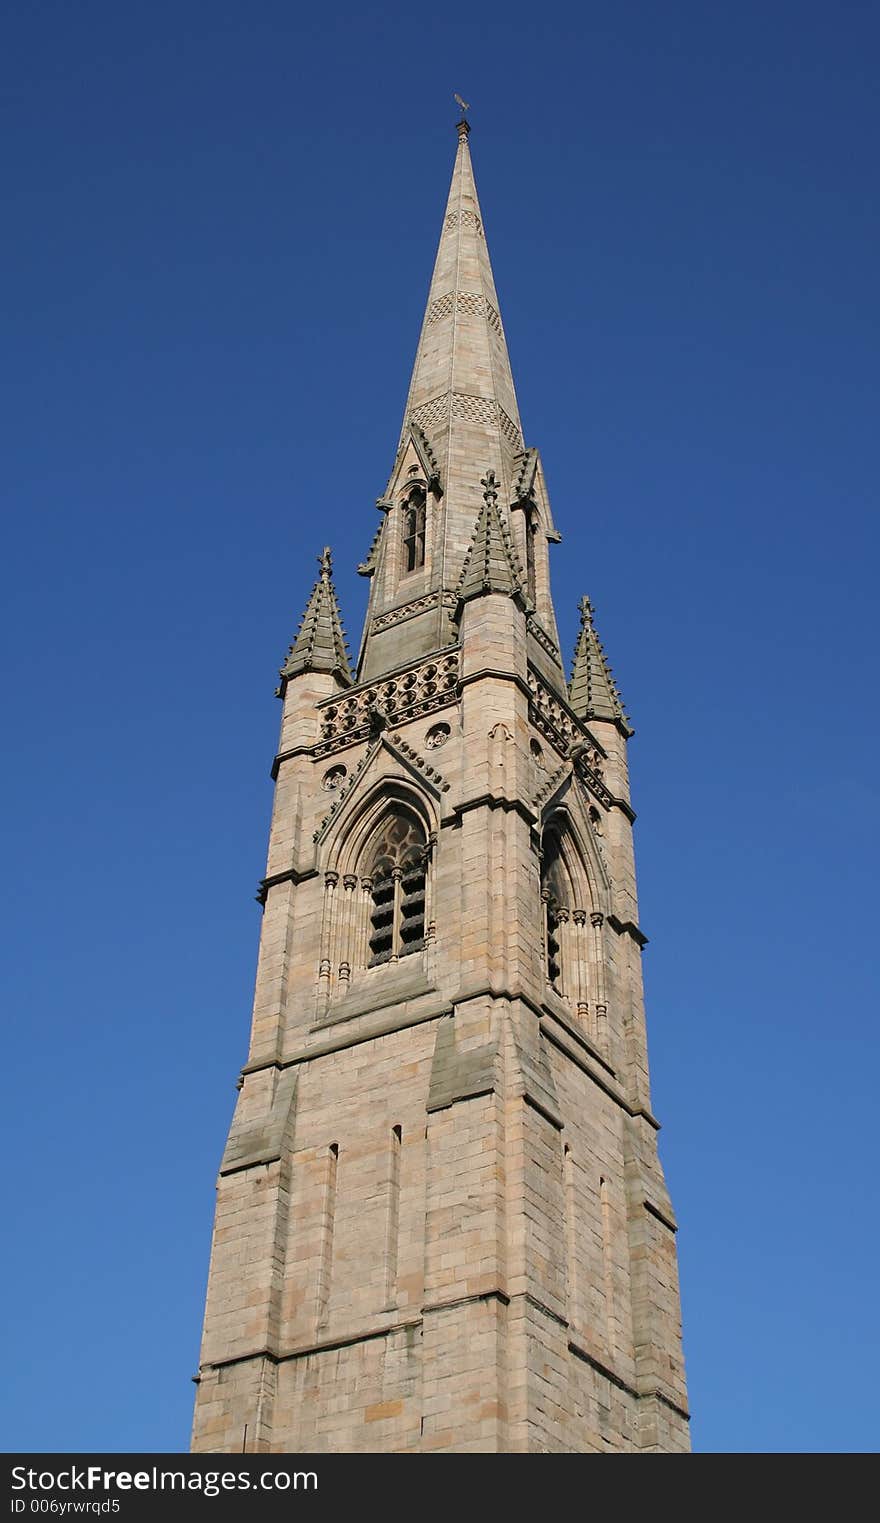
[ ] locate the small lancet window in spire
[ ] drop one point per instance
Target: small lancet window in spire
(414, 513)
(397, 868)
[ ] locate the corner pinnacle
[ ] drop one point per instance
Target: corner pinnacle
(319, 645)
(592, 691)
(490, 564)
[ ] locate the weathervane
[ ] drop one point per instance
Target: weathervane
(464, 125)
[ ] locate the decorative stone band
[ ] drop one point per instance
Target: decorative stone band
(466, 219)
(472, 409)
(550, 784)
(593, 783)
(552, 716)
(364, 711)
(470, 303)
(419, 761)
(413, 609)
(542, 637)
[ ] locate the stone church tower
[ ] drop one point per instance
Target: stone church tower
(441, 1220)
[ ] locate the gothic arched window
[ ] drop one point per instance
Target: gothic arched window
(414, 511)
(396, 867)
(556, 898)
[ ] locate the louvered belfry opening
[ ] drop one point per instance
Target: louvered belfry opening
(397, 870)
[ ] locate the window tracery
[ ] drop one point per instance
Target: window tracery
(396, 868)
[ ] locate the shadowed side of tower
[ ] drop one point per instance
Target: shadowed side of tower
(442, 1223)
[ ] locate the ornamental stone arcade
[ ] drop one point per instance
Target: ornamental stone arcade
(442, 1224)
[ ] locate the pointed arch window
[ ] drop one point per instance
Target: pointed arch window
(397, 870)
(556, 900)
(573, 949)
(414, 517)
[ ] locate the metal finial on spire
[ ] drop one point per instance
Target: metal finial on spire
(463, 103)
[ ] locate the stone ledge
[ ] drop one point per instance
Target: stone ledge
(662, 1217)
(401, 1324)
(290, 875)
(490, 801)
(445, 1007)
(610, 1088)
(580, 1037)
(398, 986)
(555, 1121)
(496, 1294)
(353, 1039)
(324, 1345)
(283, 756)
(629, 928)
(262, 1141)
(458, 1076)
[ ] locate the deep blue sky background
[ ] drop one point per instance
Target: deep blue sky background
(220, 225)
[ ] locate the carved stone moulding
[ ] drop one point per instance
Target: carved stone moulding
(359, 713)
(412, 610)
(549, 716)
(542, 637)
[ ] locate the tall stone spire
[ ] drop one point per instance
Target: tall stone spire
(593, 691)
(461, 421)
(461, 392)
(319, 645)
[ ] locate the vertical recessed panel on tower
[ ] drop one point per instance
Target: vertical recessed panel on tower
(442, 1223)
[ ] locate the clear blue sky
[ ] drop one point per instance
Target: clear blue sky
(220, 224)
